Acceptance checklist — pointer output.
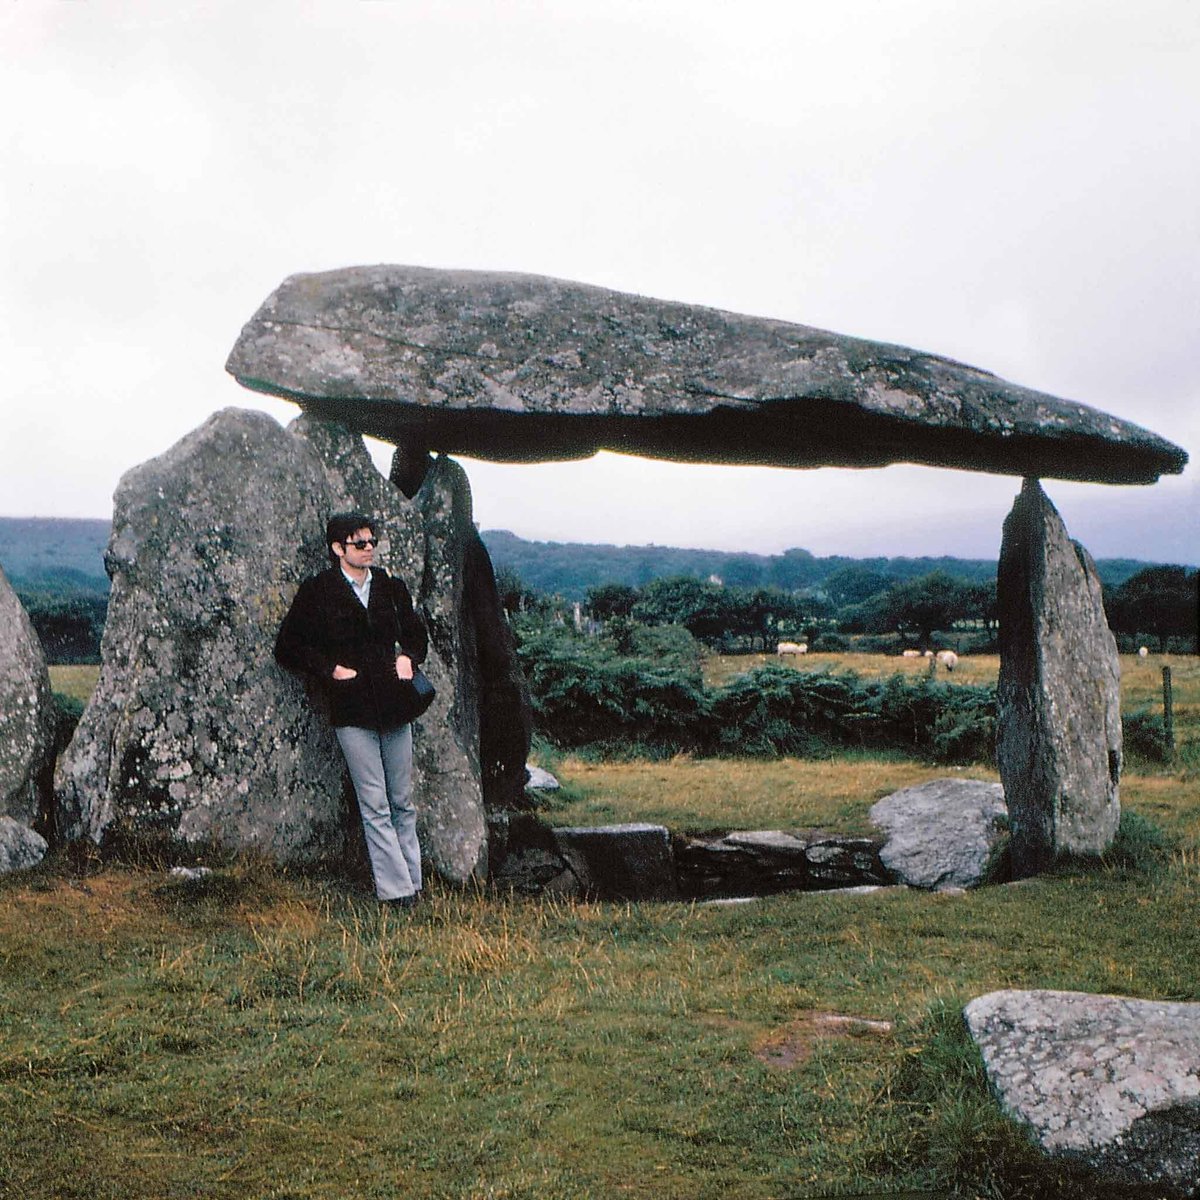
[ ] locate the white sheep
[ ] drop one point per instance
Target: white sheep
(910, 654)
(948, 659)
(1142, 652)
(791, 648)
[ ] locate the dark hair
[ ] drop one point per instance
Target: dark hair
(341, 525)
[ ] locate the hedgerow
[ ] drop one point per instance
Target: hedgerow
(586, 693)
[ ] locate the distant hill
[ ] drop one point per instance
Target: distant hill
(570, 568)
(54, 553)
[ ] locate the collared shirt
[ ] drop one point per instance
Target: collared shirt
(361, 590)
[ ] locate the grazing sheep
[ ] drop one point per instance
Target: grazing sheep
(948, 659)
(791, 648)
(910, 654)
(1142, 652)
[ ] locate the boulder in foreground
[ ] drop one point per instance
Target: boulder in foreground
(1106, 1081)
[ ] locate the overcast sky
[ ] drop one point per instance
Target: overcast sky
(1011, 183)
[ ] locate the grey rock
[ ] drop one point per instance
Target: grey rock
(620, 862)
(1106, 1081)
(540, 780)
(190, 874)
(524, 368)
(27, 715)
(20, 847)
(193, 731)
(943, 834)
(1058, 716)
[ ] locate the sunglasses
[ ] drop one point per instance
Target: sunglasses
(364, 543)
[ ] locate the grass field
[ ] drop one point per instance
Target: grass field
(260, 1035)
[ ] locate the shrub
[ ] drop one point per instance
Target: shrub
(775, 710)
(585, 694)
(68, 710)
(1144, 733)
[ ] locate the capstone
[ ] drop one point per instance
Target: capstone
(525, 368)
(1058, 715)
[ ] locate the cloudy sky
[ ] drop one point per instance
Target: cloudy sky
(1011, 183)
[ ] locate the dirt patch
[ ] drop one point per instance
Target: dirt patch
(793, 1045)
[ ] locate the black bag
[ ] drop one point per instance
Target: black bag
(417, 692)
(423, 693)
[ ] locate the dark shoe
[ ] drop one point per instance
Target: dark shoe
(401, 901)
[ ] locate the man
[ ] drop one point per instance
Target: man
(353, 629)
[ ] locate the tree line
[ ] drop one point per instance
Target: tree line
(1157, 605)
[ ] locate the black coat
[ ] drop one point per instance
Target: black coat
(328, 625)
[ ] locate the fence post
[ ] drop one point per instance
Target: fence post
(1168, 714)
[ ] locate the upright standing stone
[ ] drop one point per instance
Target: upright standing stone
(466, 623)
(1058, 741)
(446, 769)
(27, 717)
(193, 730)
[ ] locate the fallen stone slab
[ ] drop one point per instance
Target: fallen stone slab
(20, 847)
(524, 368)
(1105, 1081)
(944, 834)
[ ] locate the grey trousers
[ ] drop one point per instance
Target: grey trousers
(381, 771)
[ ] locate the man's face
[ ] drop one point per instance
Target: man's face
(358, 551)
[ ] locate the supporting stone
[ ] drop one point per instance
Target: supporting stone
(193, 732)
(1058, 740)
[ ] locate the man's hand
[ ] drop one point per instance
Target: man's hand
(340, 672)
(404, 667)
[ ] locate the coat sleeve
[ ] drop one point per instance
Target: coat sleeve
(300, 644)
(414, 640)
